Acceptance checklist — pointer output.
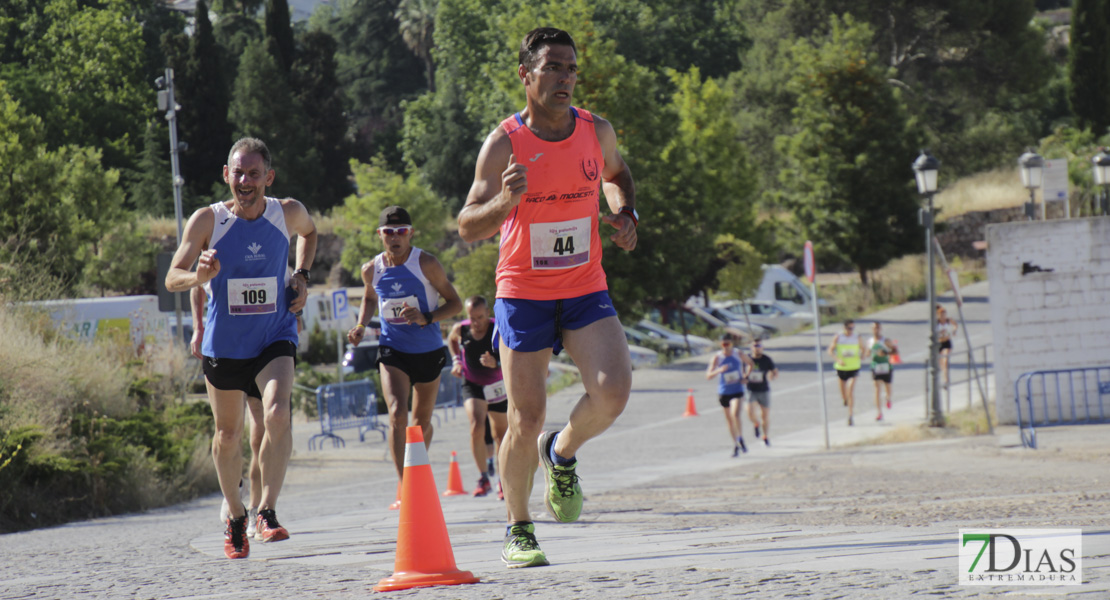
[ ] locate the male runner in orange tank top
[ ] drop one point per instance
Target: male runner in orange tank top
(537, 181)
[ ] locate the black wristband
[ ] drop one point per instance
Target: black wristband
(304, 273)
(428, 318)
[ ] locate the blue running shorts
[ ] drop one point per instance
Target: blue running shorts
(533, 325)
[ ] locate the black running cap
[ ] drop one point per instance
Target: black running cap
(394, 215)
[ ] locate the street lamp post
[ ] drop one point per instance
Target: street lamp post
(925, 170)
(1101, 163)
(1032, 173)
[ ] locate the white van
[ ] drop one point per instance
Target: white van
(784, 288)
(134, 318)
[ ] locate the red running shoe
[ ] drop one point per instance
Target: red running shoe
(500, 492)
(483, 488)
(268, 528)
(236, 544)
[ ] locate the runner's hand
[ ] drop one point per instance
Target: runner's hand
(298, 284)
(195, 343)
(514, 181)
(625, 237)
(488, 361)
(412, 315)
(456, 369)
(208, 266)
(355, 335)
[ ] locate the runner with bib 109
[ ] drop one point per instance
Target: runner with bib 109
(537, 182)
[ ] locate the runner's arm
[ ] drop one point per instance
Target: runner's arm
(454, 345)
(198, 230)
(499, 182)
(619, 188)
(367, 307)
(197, 298)
(436, 276)
(298, 221)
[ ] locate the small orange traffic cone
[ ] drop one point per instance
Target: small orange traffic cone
(424, 556)
(397, 503)
(691, 410)
(895, 358)
(454, 479)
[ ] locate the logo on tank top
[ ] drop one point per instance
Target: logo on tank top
(589, 168)
(254, 255)
(397, 287)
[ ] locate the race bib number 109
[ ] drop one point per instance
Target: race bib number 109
(255, 296)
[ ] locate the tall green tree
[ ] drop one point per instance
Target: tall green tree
(1089, 65)
(846, 174)
(316, 88)
(263, 106)
(81, 69)
(279, 33)
(377, 71)
(151, 191)
(379, 187)
(697, 187)
(417, 19)
(53, 201)
(202, 120)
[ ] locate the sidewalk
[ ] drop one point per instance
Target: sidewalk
(669, 513)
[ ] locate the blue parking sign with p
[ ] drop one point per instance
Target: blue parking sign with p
(339, 304)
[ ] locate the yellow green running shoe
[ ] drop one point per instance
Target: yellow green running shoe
(521, 548)
(563, 496)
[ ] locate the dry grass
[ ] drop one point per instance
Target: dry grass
(44, 377)
(983, 191)
(960, 423)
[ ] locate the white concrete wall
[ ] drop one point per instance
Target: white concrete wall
(1054, 318)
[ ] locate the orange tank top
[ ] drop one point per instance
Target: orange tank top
(550, 244)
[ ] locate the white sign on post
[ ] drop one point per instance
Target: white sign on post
(1055, 186)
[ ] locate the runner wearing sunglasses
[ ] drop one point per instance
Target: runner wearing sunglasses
(405, 284)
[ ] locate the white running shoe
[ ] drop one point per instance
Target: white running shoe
(252, 522)
(225, 511)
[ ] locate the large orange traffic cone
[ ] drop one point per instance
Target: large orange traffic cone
(691, 410)
(424, 556)
(454, 479)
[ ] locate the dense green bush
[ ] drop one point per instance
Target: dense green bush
(92, 430)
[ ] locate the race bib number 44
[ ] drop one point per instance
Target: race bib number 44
(256, 296)
(561, 245)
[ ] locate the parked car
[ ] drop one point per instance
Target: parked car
(697, 344)
(764, 312)
(643, 339)
(738, 329)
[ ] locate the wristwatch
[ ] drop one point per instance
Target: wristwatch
(428, 318)
(628, 210)
(304, 273)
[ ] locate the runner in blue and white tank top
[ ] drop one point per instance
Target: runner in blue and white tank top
(405, 284)
(248, 299)
(728, 366)
(241, 249)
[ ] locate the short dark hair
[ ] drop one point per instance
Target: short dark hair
(249, 145)
(538, 38)
(475, 300)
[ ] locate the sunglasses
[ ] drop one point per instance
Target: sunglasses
(401, 230)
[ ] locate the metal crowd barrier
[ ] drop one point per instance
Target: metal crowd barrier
(347, 405)
(1060, 397)
(450, 391)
